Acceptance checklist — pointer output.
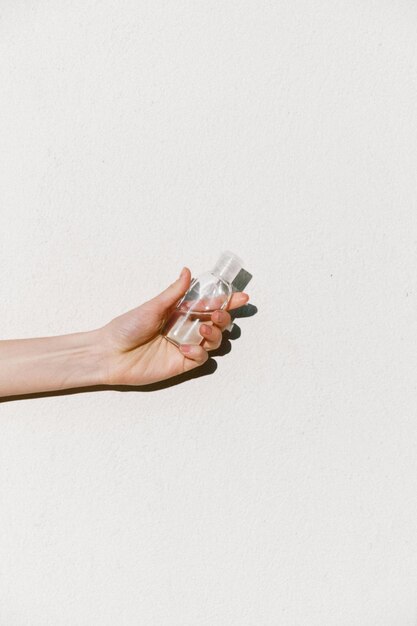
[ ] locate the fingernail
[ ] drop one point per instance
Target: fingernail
(206, 329)
(182, 272)
(245, 296)
(217, 316)
(185, 348)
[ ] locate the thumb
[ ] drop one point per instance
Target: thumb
(175, 291)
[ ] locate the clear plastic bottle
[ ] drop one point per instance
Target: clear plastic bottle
(207, 293)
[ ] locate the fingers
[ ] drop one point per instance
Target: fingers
(239, 298)
(175, 291)
(195, 356)
(212, 336)
(212, 333)
(222, 319)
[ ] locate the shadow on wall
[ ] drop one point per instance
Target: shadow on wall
(209, 367)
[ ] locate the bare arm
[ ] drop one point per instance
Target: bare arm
(129, 350)
(50, 363)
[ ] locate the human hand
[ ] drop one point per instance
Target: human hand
(134, 351)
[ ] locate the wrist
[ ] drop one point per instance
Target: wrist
(70, 361)
(87, 351)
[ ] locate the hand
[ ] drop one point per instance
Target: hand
(135, 353)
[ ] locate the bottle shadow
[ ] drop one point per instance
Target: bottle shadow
(207, 369)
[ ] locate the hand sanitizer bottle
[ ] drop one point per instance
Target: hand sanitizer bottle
(207, 293)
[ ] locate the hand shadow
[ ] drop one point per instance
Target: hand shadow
(208, 368)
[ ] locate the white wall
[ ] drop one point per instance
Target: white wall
(136, 137)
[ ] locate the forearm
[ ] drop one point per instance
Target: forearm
(50, 363)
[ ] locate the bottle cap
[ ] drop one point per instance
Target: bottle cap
(228, 266)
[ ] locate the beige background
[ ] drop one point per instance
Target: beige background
(136, 137)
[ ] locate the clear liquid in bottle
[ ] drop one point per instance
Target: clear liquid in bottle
(207, 293)
(182, 326)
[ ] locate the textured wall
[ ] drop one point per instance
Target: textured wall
(280, 489)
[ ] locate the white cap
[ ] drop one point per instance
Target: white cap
(228, 266)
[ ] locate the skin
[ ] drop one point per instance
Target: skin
(129, 350)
